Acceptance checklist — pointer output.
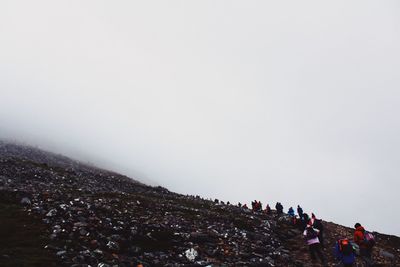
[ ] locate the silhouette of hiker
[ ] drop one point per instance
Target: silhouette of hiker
(268, 209)
(279, 208)
(300, 211)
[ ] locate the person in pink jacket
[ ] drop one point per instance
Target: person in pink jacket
(311, 237)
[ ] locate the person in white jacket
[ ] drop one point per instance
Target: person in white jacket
(311, 236)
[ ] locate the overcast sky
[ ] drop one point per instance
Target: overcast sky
(295, 101)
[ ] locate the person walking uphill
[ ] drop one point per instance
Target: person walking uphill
(311, 237)
(317, 224)
(365, 241)
(344, 252)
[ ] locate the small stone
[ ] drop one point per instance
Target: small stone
(51, 213)
(61, 253)
(386, 254)
(26, 201)
(113, 245)
(191, 254)
(83, 232)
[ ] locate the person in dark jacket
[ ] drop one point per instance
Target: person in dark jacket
(344, 252)
(279, 208)
(304, 220)
(317, 224)
(268, 209)
(300, 211)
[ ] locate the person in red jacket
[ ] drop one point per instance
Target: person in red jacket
(365, 249)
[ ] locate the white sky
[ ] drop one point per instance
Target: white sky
(293, 101)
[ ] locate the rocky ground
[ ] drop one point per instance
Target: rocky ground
(58, 212)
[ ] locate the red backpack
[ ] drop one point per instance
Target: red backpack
(345, 246)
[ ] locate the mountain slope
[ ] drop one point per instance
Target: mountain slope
(59, 212)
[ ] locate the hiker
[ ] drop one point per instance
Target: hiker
(317, 224)
(365, 241)
(312, 219)
(297, 222)
(304, 220)
(279, 208)
(344, 252)
(300, 211)
(311, 236)
(291, 212)
(268, 209)
(259, 206)
(256, 205)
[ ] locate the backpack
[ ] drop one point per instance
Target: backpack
(311, 233)
(369, 239)
(345, 247)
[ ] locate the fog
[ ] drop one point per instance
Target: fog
(296, 102)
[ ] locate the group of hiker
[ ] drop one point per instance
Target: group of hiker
(345, 250)
(313, 232)
(256, 205)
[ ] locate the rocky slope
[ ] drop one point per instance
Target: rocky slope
(58, 212)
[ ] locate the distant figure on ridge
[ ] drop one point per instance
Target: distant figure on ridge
(300, 211)
(267, 209)
(259, 206)
(279, 208)
(365, 240)
(291, 212)
(256, 205)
